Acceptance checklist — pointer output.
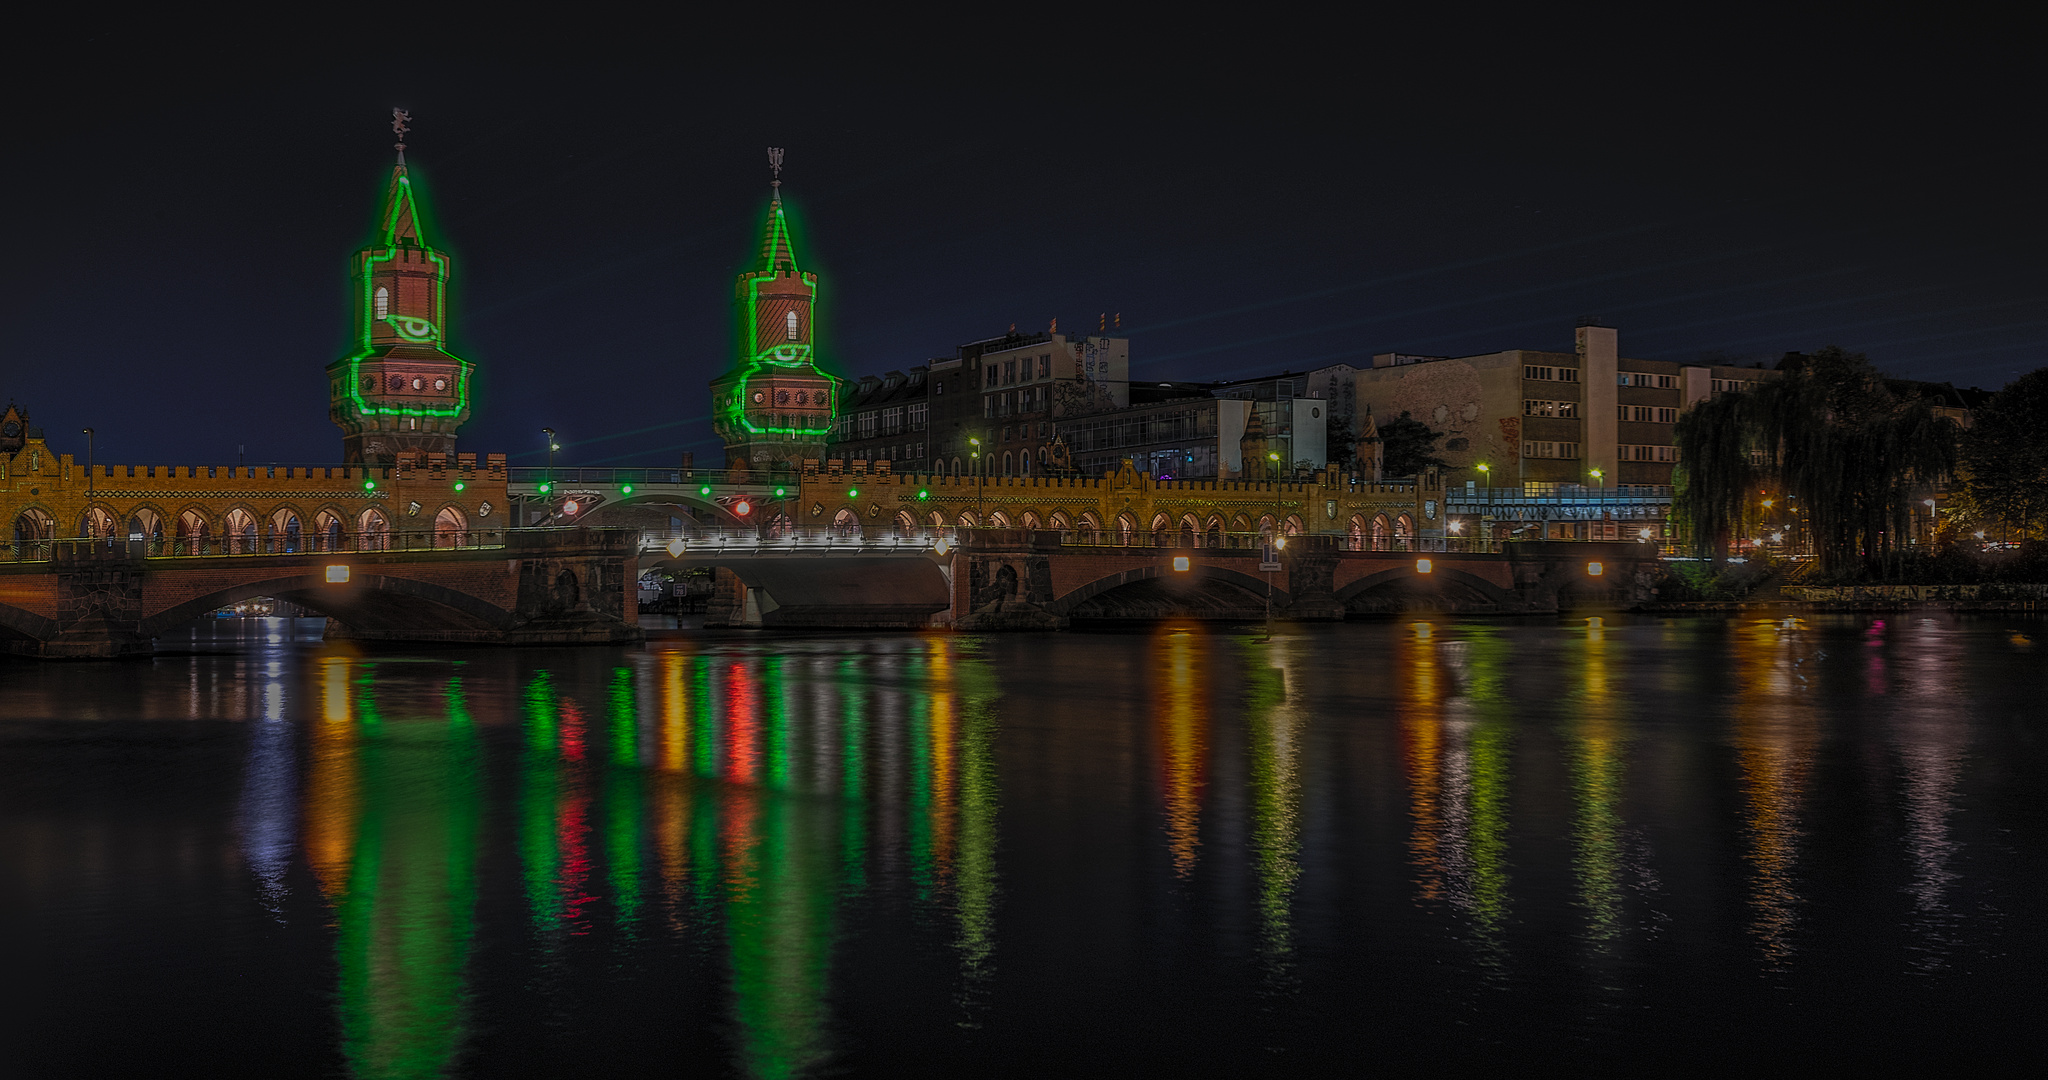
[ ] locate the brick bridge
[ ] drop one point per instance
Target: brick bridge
(110, 598)
(998, 579)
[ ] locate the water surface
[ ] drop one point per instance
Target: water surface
(1182, 850)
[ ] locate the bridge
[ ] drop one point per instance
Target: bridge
(1018, 579)
(90, 598)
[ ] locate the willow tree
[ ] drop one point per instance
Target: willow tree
(2005, 459)
(1829, 434)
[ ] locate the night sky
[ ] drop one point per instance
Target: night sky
(1248, 201)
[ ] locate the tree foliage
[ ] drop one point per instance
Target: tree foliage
(1851, 455)
(2004, 459)
(1409, 446)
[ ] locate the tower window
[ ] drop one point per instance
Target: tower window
(790, 320)
(383, 302)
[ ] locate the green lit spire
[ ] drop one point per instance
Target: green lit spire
(778, 255)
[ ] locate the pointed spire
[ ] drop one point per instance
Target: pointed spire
(400, 223)
(778, 255)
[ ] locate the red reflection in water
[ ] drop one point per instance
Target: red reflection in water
(742, 724)
(572, 826)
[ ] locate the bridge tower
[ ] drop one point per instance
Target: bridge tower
(400, 389)
(775, 407)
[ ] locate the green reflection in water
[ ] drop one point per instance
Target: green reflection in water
(1597, 737)
(624, 797)
(853, 777)
(406, 920)
(1489, 749)
(975, 878)
(537, 795)
(1273, 724)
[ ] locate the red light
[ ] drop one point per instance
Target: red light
(570, 507)
(743, 508)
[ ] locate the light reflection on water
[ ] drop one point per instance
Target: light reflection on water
(801, 836)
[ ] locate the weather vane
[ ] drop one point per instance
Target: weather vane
(775, 166)
(399, 118)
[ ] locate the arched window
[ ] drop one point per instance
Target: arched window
(240, 532)
(96, 524)
(284, 532)
(192, 530)
(845, 523)
(1006, 463)
(1161, 529)
(32, 531)
(1404, 532)
(1091, 529)
(956, 466)
(1024, 463)
(790, 321)
(967, 519)
(327, 530)
(1355, 538)
(450, 527)
(383, 302)
(1190, 529)
(1215, 532)
(1292, 525)
(1126, 529)
(998, 520)
(373, 529)
(906, 524)
(1030, 519)
(1059, 521)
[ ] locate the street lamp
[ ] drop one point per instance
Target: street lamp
(1600, 479)
(548, 482)
(975, 456)
(1929, 502)
(88, 463)
(1486, 516)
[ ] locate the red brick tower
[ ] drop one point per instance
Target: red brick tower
(401, 389)
(775, 407)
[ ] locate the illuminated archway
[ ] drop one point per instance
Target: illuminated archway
(1404, 533)
(1126, 530)
(373, 530)
(192, 533)
(284, 531)
(845, 523)
(451, 527)
(1382, 533)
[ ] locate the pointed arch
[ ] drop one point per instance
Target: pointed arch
(1355, 533)
(1404, 533)
(998, 520)
(373, 530)
(906, 523)
(451, 527)
(286, 530)
(1214, 531)
(97, 523)
(1090, 528)
(967, 519)
(1382, 533)
(1029, 520)
(845, 523)
(1126, 530)
(193, 530)
(330, 529)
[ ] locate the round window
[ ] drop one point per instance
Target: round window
(800, 397)
(782, 397)
(440, 384)
(398, 382)
(369, 382)
(419, 383)
(758, 397)
(10, 429)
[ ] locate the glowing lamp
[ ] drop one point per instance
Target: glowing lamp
(625, 489)
(460, 486)
(544, 488)
(853, 493)
(780, 492)
(1645, 534)
(1422, 566)
(570, 507)
(675, 548)
(1180, 563)
(922, 494)
(1595, 569)
(705, 491)
(1457, 526)
(369, 485)
(337, 574)
(1280, 543)
(944, 545)
(743, 508)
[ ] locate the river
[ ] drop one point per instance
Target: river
(1179, 850)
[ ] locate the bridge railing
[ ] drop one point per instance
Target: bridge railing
(185, 547)
(798, 540)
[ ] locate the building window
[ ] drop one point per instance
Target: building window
(1045, 366)
(1667, 382)
(790, 321)
(1565, 374)
(1667, 416)
(383, 302)
(917, 413)
(1009, 371)
(1543, 374)
(988, 375)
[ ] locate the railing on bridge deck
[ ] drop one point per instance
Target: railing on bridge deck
(799, 540)
(186, 547)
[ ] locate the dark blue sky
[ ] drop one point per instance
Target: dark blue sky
(1283, 198)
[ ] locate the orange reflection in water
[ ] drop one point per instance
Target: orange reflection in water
(1774, 741)
(1180, 726)
(333, 799)
(1420, 709)
(945, 722)
(671, 794)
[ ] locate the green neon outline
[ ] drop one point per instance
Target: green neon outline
(782, 354)
(364, 348)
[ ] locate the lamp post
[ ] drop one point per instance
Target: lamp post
(1600, 499)
(1930, 517)
(88, 463)
(547, 485)
(1486, 515)
(975, 456)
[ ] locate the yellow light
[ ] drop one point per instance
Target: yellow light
(1484, 467)
(1280, 543)
(1422, 566)
(337, 574)
(1597, 474)
(1595, 569)
(675, 548)
(1180, 562)
(570, 507)
(944, 545)
(1457, 526)
(1768, 504)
